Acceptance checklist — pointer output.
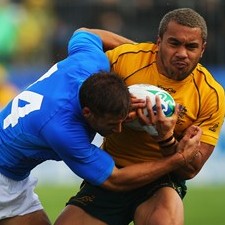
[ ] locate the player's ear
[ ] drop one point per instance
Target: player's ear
(203, 48)
(86, 112)
(158, 41)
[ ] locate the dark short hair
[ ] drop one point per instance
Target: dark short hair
(186, 17)
(105, 93)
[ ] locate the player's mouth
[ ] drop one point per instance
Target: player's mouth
(180, 65)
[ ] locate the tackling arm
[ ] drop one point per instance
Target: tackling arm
(137, 175)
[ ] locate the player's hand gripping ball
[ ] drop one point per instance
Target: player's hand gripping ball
(167, 103)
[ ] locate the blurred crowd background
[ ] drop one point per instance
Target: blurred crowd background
(34, 35)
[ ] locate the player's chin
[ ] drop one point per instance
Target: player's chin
(182, 72)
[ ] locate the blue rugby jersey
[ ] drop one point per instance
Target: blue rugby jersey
(45, 122)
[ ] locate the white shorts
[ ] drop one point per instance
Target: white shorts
(18, 197)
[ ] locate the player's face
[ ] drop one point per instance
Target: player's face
(105, 125)
(180, 50)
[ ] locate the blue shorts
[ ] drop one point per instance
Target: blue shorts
(118, 208)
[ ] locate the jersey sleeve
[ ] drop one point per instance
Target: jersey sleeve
(211, 115)
(213, 118)
(71, 141)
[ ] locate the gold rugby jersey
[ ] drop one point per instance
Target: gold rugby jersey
(201, 96)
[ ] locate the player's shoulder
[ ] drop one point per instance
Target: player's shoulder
(144, 47)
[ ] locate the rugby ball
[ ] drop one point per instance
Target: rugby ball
(141, 91)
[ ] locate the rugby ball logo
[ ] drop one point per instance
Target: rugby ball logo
(143, 90)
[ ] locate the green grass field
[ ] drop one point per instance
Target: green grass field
(203, 205)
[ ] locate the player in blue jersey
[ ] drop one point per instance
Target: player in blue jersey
(56, 118)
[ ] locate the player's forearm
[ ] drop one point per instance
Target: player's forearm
(137, 175)
(192, 169)
(189, 171)
(110, 40)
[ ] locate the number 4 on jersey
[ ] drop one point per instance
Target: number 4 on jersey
(33, 101)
